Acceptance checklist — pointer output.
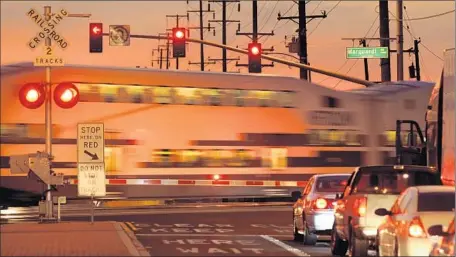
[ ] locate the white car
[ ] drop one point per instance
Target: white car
(404, 230)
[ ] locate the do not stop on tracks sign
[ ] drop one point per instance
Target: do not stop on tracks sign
(91, 167)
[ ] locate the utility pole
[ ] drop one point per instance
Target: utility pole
(303, 73)
(224, 22)
(161, 58)
(400, 42)
(384, 33)
(201, 28)
(417, 58)
(255, 34)
(166, 46)
(366, 65)
(177, 16)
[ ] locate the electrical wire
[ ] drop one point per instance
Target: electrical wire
(321, 20)
(269, 15)
(356, 59)
(346, 60)
(427, 17)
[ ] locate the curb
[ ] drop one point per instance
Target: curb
(131, 242)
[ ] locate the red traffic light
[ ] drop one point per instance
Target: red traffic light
(255, 48)
(32, 95)
(178, 33)
(66, 95)
(96, 28)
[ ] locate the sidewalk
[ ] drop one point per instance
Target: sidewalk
(69, 239)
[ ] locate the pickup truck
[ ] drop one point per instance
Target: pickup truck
(369, 188)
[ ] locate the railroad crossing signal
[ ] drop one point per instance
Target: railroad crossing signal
(47, 30)
(179, 39)
(96, 37)
(119, 35)
(255, 52)
(33, 95)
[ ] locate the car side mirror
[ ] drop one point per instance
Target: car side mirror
(437, 230)
(382, 212)
(296, 195)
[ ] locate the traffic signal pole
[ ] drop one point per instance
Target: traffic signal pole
(266, 57)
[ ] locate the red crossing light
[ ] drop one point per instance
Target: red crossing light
(179, 42)
(32, 95)
(66, 95)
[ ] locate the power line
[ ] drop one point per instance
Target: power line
(318, 24)
(357, 59)
(346, 60)
(428, 17)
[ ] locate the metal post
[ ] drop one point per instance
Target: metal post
(201, 34)
(255, 20)
(400, 43)
(48, 117)
(177, 58)
(167, 51)
(417, 59)
(224, 67)
(366, 65)
(93, 209)
(58, 209)
(161, 59)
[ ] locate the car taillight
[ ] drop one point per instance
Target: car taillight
(416, 228)
(360, 206)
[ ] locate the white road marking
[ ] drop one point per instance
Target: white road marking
(221, 235)
(293, 250)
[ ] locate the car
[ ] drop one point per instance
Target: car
(445, 246)
(369, 188)
(404, 231)
(313, 210)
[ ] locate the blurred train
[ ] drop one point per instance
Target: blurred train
(182, 124)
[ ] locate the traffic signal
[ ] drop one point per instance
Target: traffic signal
(66, 95)
(32, 95)
(96, 37)
(179, 42)
(255, 57)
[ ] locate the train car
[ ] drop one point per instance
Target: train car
(205, 126)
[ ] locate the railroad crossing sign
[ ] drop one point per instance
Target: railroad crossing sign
(47, 30)
(119, 35)
(91, 143)
(91, 166)
(367, 52)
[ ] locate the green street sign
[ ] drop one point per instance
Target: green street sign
(367, 52)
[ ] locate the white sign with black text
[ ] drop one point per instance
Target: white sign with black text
(91, 179)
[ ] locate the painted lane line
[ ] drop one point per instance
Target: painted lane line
(216, 235)
(293, 250)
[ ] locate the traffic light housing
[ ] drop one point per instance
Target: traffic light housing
(37, 163)
(179, 41)
(66, 95)
(32, 95)
(96, 37)
(255, 52)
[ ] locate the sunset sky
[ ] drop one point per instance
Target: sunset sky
(326, 49)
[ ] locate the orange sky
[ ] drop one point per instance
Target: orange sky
(326, 49)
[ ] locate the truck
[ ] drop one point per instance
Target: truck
(435, 146)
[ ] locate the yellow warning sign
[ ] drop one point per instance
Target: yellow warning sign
(48, 60)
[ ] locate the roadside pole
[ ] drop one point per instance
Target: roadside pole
(48, 33)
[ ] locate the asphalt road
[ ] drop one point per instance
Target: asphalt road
(227, 231)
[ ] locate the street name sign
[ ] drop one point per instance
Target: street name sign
(91, 179)
(91, 142)
(47, 30)
(367, 52)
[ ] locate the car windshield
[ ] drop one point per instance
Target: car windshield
(331, 184)
(436, 201)
(392, 182)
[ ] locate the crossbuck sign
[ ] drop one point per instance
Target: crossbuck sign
(47, 29)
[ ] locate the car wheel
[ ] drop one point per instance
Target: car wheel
(339, 247)
(296, 237)
(308, 238)
(358, 247)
